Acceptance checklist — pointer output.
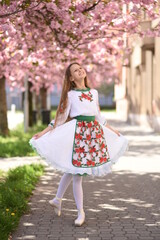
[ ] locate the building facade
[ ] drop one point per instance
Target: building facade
(138, 93)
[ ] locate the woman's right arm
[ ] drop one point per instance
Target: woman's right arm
(47, 129)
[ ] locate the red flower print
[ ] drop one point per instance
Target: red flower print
(94, 145)
(102, 146)
(88, 96)
(89, 125)
(98, 135)
(83, 95)
(78, 164)
(101, 160)
(93, 149)
(79, 150)
(83, 123)
(88, 136)
(78, 136)
(105, 159)
(89, 162)
(79, 124)
(75, 162)
(95, 122)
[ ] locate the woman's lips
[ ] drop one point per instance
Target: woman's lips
(81, 73)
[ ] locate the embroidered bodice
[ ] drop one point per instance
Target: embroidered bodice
(82, 102)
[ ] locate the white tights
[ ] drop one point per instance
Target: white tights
(77, 188)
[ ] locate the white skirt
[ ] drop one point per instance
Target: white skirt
(84, 148)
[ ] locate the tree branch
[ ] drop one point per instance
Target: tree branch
(92, 7)
(19, 10)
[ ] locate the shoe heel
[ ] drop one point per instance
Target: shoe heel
(81, 218)
(57, 212)
(57, 207)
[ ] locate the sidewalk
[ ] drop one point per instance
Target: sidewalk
(123, 205)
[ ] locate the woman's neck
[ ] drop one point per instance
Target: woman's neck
(80, 86)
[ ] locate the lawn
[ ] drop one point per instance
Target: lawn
(15, 189)
(17, 143)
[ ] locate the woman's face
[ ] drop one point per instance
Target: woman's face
(77, 73)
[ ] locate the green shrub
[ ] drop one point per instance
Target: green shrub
(15, 190)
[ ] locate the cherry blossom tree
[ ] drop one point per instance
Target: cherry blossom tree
(40, 38)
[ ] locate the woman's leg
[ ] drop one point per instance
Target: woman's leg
(78, 191)
(78, 195)
(63, 185)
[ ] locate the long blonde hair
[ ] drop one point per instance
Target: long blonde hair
(67, 86)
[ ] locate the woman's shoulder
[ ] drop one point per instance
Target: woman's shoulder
(94, 90)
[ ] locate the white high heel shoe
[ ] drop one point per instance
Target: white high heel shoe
(56, 205)
(81, 218)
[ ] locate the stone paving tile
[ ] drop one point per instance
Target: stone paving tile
(123, 205)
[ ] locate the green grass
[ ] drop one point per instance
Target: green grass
(17, 143)
(2, 174)
(108, 110)
(15, 190)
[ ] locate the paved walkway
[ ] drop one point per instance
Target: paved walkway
(123, 205)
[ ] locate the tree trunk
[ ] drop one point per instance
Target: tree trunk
(30, 105)
(43, 93)
(4, 131)
(38, 107)
(45, 113)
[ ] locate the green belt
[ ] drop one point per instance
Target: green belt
(85, 118)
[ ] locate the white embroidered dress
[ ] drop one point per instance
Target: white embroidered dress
(83, 145)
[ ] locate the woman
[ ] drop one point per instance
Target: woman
(79, 142)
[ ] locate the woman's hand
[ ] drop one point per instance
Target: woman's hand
(47, 129)
(114, 130)
(38, 135)
(118, 133)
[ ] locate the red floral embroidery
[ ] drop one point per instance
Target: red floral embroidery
(75, 162)
(88, 136)
(81, 150)
(87, 96)
(89, 125)
(78, 136)
(96, 123)
(98, 135)
(94, 151)
(102, 146)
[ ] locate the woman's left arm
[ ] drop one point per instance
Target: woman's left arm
(114, 130)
